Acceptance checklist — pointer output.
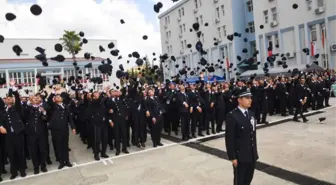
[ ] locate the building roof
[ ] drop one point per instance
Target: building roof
(28, 63)
(32, 60)
(181, 2)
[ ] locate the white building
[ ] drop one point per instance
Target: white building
(23, 68)
(312, 24)
(223, 16)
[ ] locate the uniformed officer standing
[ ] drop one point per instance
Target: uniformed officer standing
(240, 139)
(59, 125)
(12, 126)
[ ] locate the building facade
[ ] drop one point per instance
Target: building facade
(24, 68)
(224, 17)
(311, 25)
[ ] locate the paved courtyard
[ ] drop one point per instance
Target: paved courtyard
(290, 153)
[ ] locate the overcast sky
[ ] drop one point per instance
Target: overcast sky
(98, 19)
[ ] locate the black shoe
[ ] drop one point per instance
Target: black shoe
(69, 149)
(265, 122)
(13, 176)
(138, 145)
(4, 171)
(96, 157)
(61, 166)
(68, 164)
(169, 133)
(143, 145)
(23, 174)
(49, 161)
(128, 145)
(200, 134)
(44, 170)
(36, 171)
(194, 136)
(154, 145)
(160, 144)
(125, 151)
(111, 147)
(117, 152)
(208, 133)
(296, 120)
(0, 179)
(104, 155)
(305, 120)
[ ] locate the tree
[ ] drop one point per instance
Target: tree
(71, 44)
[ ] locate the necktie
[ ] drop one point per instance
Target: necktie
(246, 114)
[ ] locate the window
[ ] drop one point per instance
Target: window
(269, 40)
(219, 32)
(196, 5)
(249, 5)
(309, 5)
(179, 12)
(276, 38)
(218, 13)
(274, 14)
(223, 10)
(182, 11)
(184, 28)
(182, 46)
(185, 44)
(200, 3)
(167, 35)
(203, 38)
(168, 20)
(201, 19)
(320, 3)
(224, 31)
(180, 29)
(222, 53)
(251, 27)
(266, 16)
(197, 20)
(313, 34)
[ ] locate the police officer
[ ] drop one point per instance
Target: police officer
(240, 139)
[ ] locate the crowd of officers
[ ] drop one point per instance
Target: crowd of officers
(118, 117)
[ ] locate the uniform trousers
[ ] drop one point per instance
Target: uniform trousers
(61, 142)
(243, 173)
(100, 136)
(15, 149)
(120, 133)
(156, 130)
(139, 127)
(184, 124)
(37, 145)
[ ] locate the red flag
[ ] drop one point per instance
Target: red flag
(270, 53)
(313, 48)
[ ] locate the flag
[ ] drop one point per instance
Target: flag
(313, 48)
(227, 63)
(270, 53)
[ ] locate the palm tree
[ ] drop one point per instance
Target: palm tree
(71, 44)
